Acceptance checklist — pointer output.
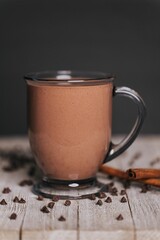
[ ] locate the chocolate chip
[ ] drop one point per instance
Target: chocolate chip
(99, 202)
(40, 198)
(51, 204)
(26, 183)
(154, 161)
(144, 189)
(101, 195)
(108, 200)
(110, 177)
(113, 191)
(123, 192)
(3, 202)
(22, 200)
(44, 209)
(126, 184)
(6, 190)
(134, 158)
(91, 197)
(67, 203)
(13, 216)
(114, 194)
(111, 184)
(31, 171)
(16, 200)
(61, 219)
(120, 217)
(55, 198)
(123, 200)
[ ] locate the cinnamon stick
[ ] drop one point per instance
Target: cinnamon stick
(143, 173)
(124, 175)
(114, 172)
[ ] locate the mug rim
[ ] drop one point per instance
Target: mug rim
(69, 77)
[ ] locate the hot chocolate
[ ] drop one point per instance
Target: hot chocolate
(69, 128)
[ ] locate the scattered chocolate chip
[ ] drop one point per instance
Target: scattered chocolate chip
(61, 219)
(3, 202)
(7, 169)
(40, 198)
(22, 200)
(154, 161)
(91, 197)
(114, 194)
(55, 198)
(26, 183)
(16, 200)
(126, 184)
(99, 202)
(101, 195)
(123, 200)
(110, 177)
(6, 190)
(67, 203)
(120, 217)
(31, 171)
(144, 189)
(113, 191)
(123, 192)
(44, 209)
(51, 204)
(13, 216)
(108, 200)
(111, 184)
(134, 158)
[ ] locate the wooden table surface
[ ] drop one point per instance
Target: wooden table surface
(84, 219)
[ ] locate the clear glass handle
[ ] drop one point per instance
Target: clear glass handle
(117, 149)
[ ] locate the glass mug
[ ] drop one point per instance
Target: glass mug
(69, 127)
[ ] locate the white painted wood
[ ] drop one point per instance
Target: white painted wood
(145, 207)
(84, 219)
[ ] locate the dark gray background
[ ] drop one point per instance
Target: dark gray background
(121, 37)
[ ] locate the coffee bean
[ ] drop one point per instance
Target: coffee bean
(61, 219)
(91, 197)
(101, 195)
(40, 198)
(13, 216)
(99, 202)
(51, 204)
(44, 209)
(6, 190)
(123, 200)
(108, 200)
(120, 217)
(3, 202)
(67, 203)
(16, 200)
(123, 192)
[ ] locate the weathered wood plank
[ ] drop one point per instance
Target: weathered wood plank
(99, 222)
(84, 219)
(145, 207)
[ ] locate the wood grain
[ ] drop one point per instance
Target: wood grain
(84, 219)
